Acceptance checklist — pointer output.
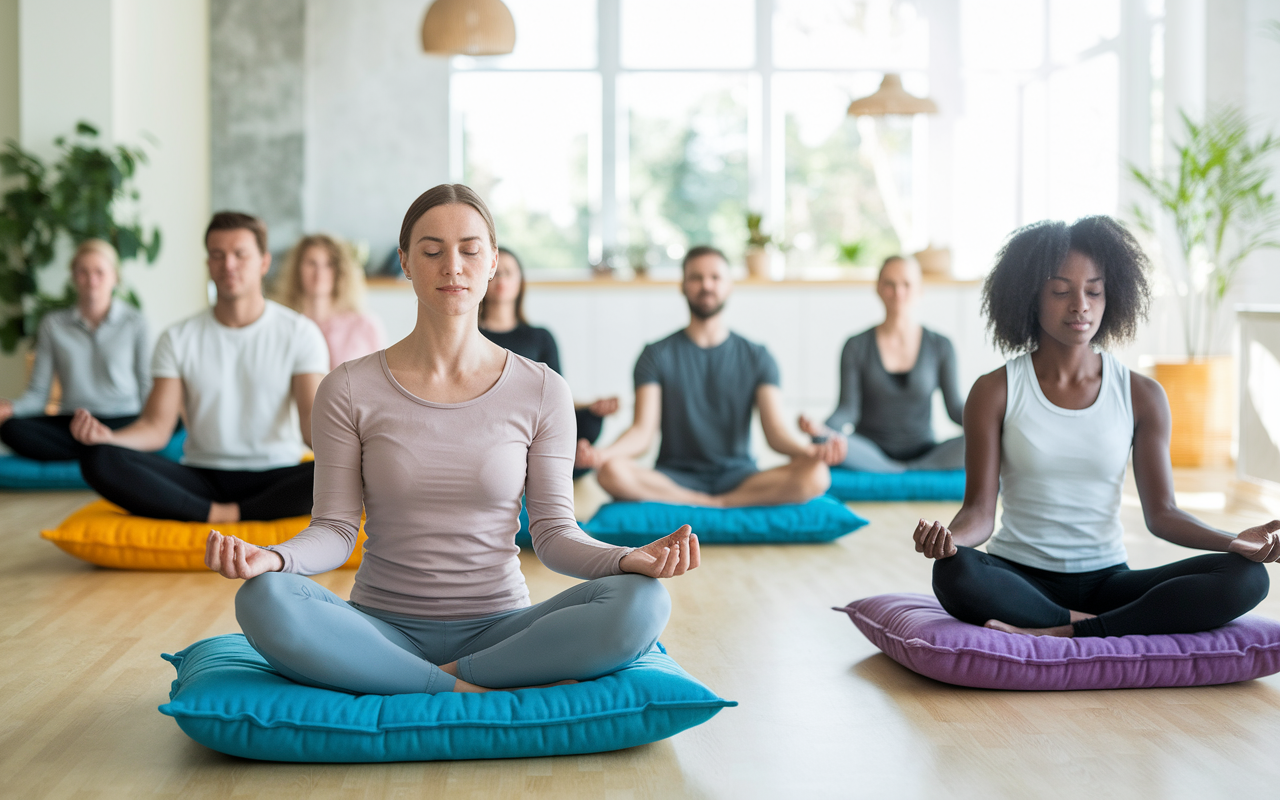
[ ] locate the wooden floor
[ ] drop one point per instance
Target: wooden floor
(822, 713)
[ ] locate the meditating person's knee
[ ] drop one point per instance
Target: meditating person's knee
(611, 475)
(1249, 581)
(263, 607)
(102, 461)
(641, 607)
(955, 587)
(815, 479)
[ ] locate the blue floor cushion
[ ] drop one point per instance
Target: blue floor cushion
(849, 485)
(635, 524)
(227, 698)
(21, 473)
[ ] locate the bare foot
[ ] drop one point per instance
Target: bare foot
(224, 512)
(463, 686)
(1064, 631)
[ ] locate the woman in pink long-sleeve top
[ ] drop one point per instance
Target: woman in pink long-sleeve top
(437, 438)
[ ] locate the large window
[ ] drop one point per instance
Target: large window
(625, 131)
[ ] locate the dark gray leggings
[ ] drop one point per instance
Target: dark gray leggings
(312, 636)
(866, 456)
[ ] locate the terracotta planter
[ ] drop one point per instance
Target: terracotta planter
(758, 263)
(1200, 402)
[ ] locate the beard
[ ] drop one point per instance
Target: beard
(704, 311)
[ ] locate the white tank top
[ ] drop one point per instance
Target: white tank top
(1061, 473)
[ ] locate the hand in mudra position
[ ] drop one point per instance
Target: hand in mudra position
(668, 557)
(1261, 543)
(87, 429)
(933, 540)
(235, 558)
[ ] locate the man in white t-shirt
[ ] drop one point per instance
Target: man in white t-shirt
(244, 375)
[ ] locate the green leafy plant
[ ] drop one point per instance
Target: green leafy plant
(852, 252)
(756, 237)
(1215, 194)
(78, 197)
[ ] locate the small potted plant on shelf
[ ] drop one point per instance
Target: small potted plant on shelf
(758, 247)
(1215, 196)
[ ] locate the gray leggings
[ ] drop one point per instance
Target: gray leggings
(866, 456)
(312, 636)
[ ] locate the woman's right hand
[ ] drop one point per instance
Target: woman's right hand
(235, 558)
(86, 429)
(934, 540)
(6, 410)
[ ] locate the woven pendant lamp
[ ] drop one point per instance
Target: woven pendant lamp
(468, 28)
(891, 98)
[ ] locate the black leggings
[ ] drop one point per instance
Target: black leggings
(150, 486)
(1195, 594)
(49, 438)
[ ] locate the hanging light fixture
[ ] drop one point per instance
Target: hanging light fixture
(468, 28)
(891, 98)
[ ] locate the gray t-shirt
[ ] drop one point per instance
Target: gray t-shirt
(895, 411)
(707, 397)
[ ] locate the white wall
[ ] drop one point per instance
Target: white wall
(377, 118)
(161, 79)
(136, 69)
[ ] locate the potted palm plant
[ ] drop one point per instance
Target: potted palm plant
(1216, 197)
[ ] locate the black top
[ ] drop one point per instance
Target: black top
(707, 398)
(895, 410)
(535, 344)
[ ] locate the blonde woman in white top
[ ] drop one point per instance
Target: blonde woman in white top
(1053, 430)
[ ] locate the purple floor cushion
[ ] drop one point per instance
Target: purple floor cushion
(913, 630)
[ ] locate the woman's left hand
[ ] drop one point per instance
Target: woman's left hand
(666, 558)
(1261, 543)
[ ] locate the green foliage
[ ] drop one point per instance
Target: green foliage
(1216, 196)
(852, 252)
(756, 237)
(833, 194)
(78, 197)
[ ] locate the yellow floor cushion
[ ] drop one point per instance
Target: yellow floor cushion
(103, 534)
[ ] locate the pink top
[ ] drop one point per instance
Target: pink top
(441, 486)
(351, 335)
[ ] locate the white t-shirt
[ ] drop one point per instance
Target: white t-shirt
(238, 386)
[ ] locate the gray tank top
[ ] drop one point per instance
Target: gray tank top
(1061, 473)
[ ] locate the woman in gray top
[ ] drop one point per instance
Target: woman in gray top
(98, 350)
(888, 375)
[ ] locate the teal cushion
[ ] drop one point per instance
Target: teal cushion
(635, 524)
(227, 698)
(848, 485)
(25, 474)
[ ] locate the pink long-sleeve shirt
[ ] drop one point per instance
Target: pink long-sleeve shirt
(441, 485)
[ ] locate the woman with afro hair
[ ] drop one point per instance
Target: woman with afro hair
(1052, 431)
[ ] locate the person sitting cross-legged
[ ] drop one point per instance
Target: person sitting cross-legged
(437, 439)
(237, 371)
(97, 350)
(698, 387)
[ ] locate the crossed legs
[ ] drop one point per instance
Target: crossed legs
(1194, 594)
(312, 636)
(798, 482)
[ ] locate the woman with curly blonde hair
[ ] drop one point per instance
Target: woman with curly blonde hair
(322, 280)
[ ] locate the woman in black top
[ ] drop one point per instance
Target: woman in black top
(888, 375)
(502, 321)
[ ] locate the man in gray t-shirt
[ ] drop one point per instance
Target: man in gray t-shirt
(698, 387)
